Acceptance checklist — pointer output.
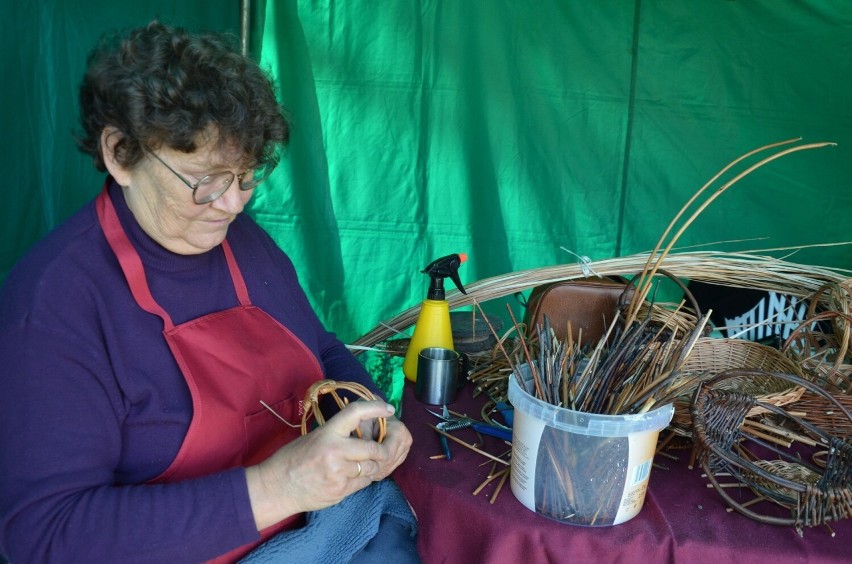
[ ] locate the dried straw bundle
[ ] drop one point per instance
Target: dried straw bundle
(742, 270)
(737, 270)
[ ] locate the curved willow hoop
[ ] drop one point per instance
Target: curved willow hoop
(323, 387)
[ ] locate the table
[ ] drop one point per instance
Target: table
(682, 519)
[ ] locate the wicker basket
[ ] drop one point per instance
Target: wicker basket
(783, 482)
(825, 358)
(711, 357)
(812, 408)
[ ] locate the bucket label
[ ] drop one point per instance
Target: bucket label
(526, 437)
(639, 459)
(580, 479)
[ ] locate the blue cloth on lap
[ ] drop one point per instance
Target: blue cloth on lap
(337, 533)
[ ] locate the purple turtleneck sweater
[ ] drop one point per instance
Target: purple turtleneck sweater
(93, 405)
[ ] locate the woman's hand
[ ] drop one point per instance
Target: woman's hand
(324, 466)
(397, 439)
(397, 442)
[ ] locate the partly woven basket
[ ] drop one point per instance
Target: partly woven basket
(825, 357)
(330, 387)
(710, 357)
(775, 459)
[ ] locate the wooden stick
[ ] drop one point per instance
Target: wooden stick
(499, 486)
(489, 479)
(468, 445)
(276, 414)
(747, 503)
(782, 432)
(771, 438)
(533, 370)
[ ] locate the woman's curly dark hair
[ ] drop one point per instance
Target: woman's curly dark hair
(161, 85)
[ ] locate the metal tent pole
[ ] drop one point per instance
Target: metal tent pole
(245, 16)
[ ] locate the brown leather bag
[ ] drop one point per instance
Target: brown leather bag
(589, 304)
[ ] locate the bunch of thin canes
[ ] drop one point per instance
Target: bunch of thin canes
(655, 260)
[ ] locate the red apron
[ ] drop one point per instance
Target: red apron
(231, 360)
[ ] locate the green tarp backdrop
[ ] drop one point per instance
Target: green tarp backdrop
(506, 129)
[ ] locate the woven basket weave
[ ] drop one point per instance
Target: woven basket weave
(825, 357)
(711, 357)
(813, 408)
(787, 485)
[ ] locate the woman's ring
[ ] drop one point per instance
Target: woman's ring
(358, 475)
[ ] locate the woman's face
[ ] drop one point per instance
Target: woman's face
(162, 203)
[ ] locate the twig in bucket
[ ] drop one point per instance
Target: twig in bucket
(543, 358)
(550, 361)
(569, 352)
(530, 363)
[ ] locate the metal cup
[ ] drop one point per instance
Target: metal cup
(437, 376)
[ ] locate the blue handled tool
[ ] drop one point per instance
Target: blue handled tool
(451, 423)
(504, 409)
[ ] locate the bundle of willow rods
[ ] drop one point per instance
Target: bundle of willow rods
(737, 270)
(617, 379)
(581, 477)
(742, 270)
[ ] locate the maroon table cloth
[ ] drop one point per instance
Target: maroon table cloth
(682, 519)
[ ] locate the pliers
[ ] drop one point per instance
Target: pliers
(445, 445)
(451, 423)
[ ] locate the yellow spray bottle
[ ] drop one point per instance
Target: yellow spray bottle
(433, 327)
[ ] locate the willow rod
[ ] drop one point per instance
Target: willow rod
(642, 291)
(468, 445)
(705, 187)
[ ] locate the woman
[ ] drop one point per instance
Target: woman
(146, 342)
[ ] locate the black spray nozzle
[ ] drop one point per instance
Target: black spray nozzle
(444, 267)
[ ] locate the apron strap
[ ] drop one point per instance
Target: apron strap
(128, 258)
(236, 275)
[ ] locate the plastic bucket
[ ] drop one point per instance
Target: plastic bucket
(581, 468)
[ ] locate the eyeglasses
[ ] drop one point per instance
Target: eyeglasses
(214, 185)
